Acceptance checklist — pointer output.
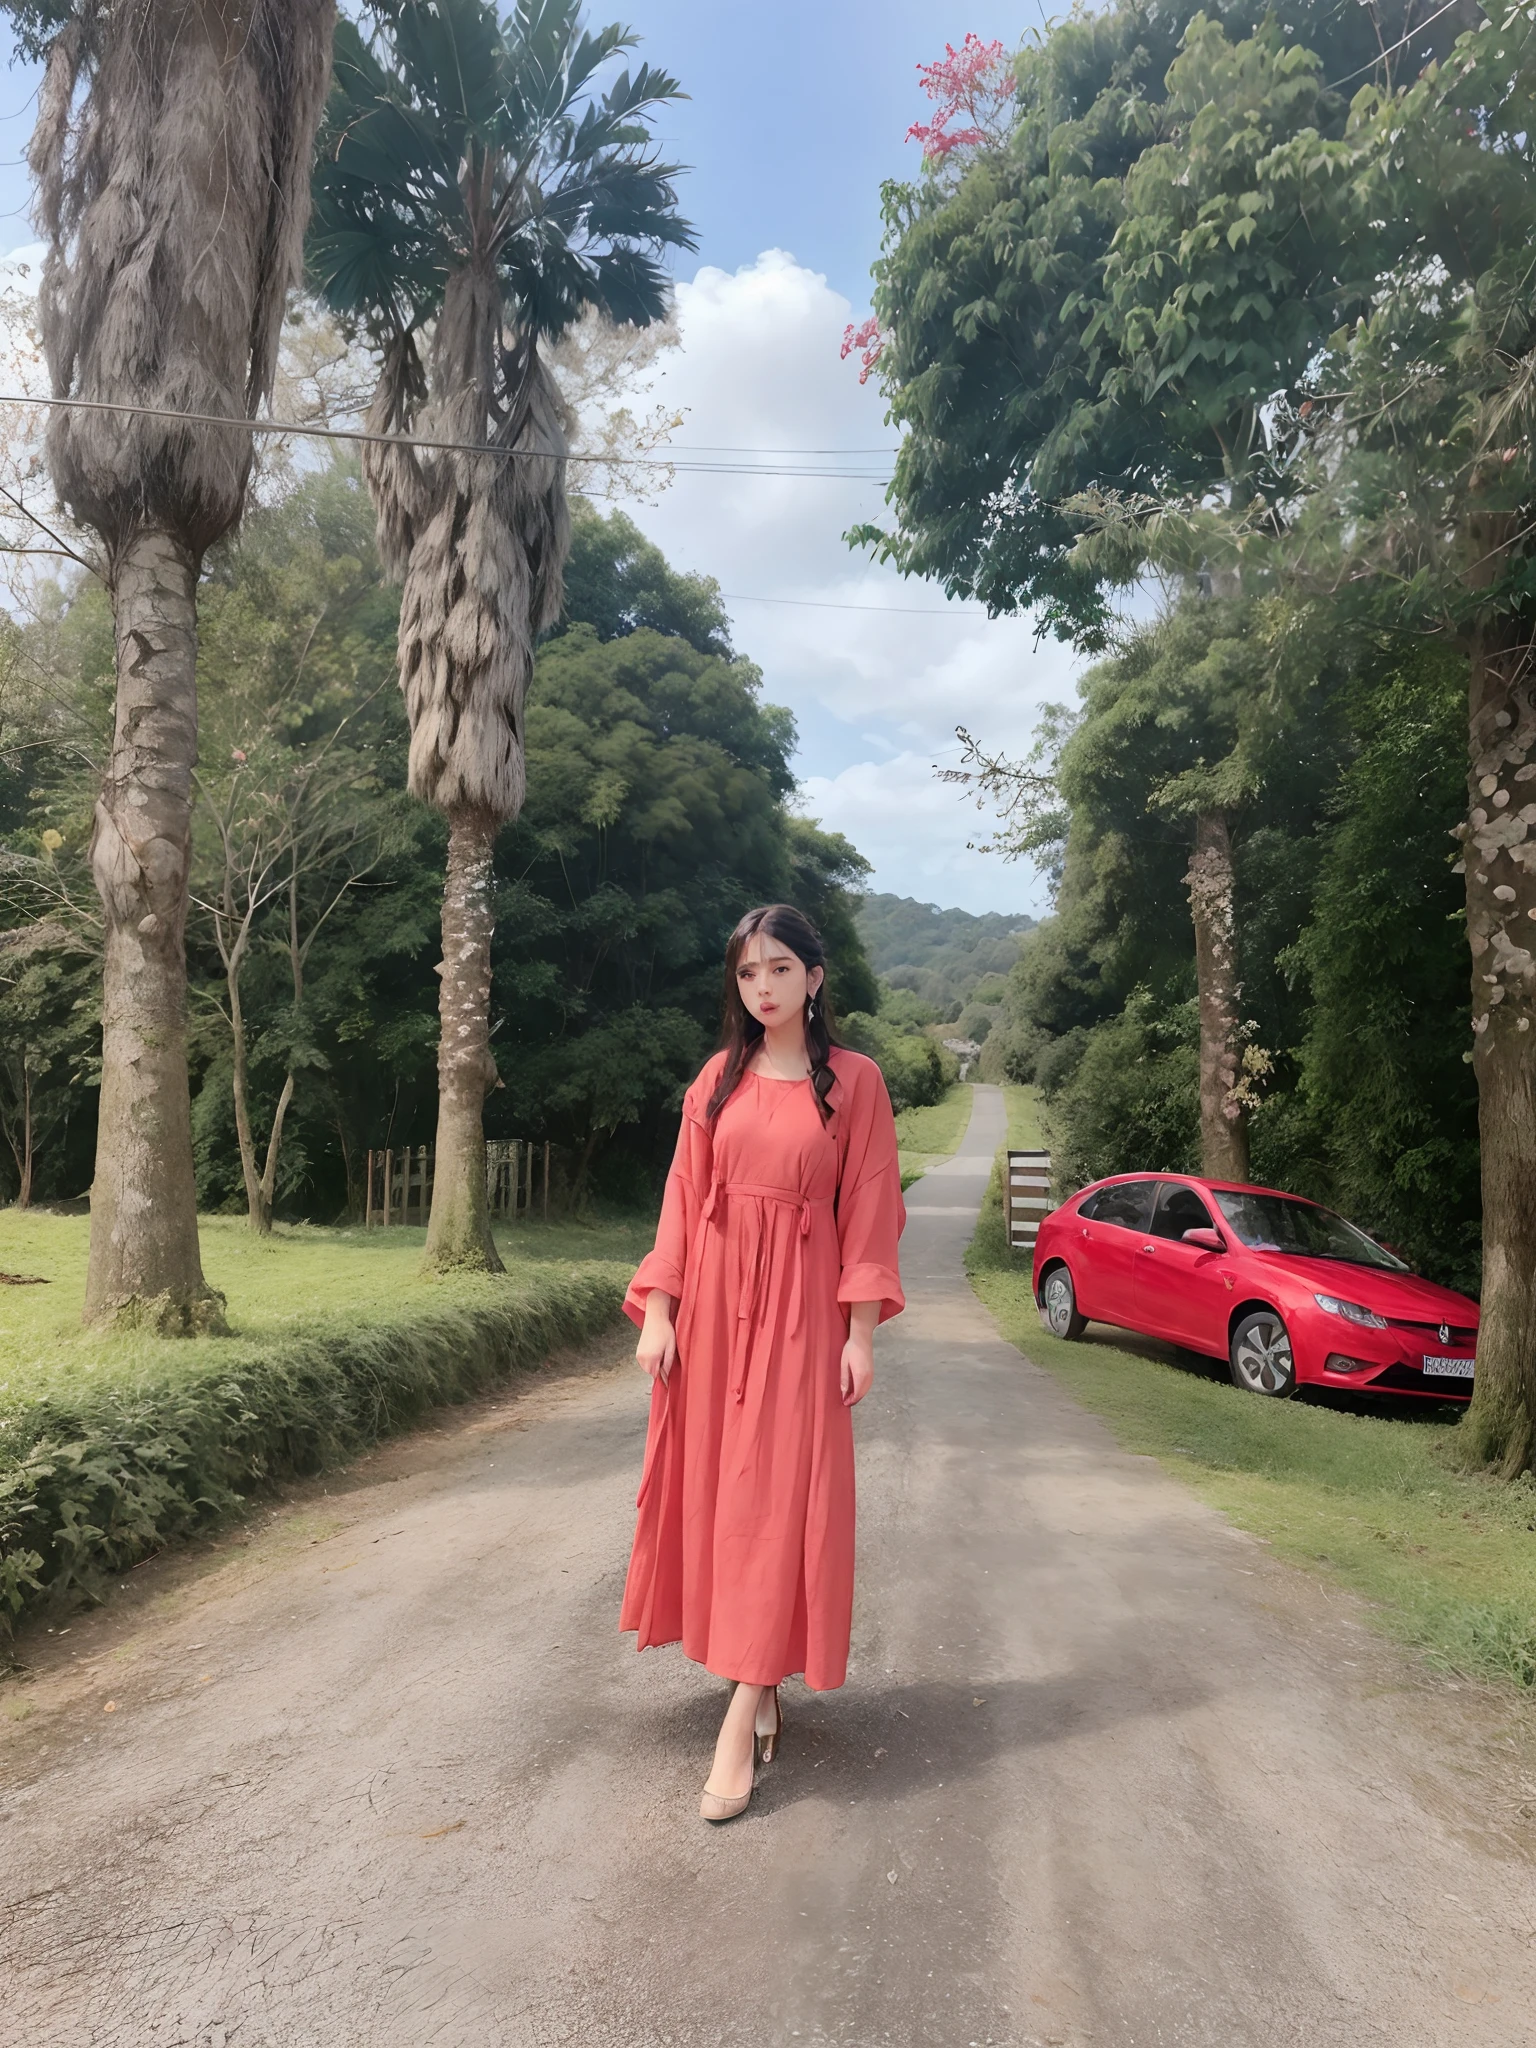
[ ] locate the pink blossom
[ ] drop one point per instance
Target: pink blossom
(868, 338)
(975, 83)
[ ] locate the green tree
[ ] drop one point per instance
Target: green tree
(655, 817)
(1064, 323)
(1389, 1101)
(474, 181)
(306, 844)
(1412, 450)
(618, 581)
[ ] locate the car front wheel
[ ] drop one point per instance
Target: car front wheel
(1058, 1305)
(1262, 1362)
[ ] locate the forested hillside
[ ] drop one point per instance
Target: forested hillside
(940, 955)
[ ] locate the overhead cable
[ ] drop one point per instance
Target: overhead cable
(362, 434)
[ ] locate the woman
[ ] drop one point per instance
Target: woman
(775, 1258)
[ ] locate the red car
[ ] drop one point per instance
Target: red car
(1283, 1289)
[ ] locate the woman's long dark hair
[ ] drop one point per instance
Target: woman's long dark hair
(741, 1032)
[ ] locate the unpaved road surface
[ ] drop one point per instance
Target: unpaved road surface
(1102, 1774)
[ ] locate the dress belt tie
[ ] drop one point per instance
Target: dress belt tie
(751, 1289)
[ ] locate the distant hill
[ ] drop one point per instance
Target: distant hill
(940, 955)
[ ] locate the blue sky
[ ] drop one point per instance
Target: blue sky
(796, 113)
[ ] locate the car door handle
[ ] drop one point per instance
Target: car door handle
(1149, 1247)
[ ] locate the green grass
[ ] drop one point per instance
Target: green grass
(1025, 1132)
(1369, 1500)
(301, 1279)
(925, 1136)
(113, 1444)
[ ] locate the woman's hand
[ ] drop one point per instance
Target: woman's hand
(858, 1368)
(658, 1339)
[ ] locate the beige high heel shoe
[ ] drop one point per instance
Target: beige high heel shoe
(767, 1728)
(770, 1723)
(713, 1808)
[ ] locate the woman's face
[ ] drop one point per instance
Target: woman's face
(773, 982)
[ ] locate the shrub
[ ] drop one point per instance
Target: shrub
(92, 1483)
(917, 1068)
(1125, 1096)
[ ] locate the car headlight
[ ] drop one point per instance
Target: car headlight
(1351, 1311)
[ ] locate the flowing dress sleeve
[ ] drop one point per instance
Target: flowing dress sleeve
(682, 1205)
(870, 1211)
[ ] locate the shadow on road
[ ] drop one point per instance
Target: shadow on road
(1340, 1400)
(885, 1742)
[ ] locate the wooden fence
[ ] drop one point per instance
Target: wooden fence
(400, 1181)
(1028, 1197)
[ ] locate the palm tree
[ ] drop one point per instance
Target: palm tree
(476, 191)
(172, 153)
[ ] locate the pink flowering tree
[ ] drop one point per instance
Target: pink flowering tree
(972, 90)
(867, 342)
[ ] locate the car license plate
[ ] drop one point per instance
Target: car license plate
(1453, 1368)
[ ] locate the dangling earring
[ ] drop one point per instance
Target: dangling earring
(810, 1010)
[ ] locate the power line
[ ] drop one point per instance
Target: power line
(1382, 55)
(362, 435)
(821, 604)
(703, 448)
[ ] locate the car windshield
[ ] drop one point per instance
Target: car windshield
(1274, 1223)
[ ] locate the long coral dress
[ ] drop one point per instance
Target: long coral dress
(772, 1223)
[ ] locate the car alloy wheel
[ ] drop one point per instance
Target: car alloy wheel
(1058, 1305)
(1262, 1361)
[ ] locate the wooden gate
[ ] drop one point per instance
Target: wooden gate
(509, 1172)
(1028, 1197)
(400, 1181)
(398, 1177)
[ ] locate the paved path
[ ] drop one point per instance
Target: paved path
(1102, 1774)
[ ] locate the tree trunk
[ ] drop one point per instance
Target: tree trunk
(1223, 1118)
(1500, 835)
(144, 1259)
(24, 1193)
(258, 1217)
(274, 1147)
(459, 1233)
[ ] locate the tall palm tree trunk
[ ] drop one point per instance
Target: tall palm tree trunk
(144, 1248)
(1212, 888)
(459, 1233)
(173, 192)
(479, 542)
(1499, 836)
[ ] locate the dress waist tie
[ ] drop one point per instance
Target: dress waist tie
(754, 1196)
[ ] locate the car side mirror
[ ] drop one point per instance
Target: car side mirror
(1207, 1240)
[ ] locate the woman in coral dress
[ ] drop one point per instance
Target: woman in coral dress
(775, 1257)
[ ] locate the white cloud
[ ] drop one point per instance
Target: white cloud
(859, 649)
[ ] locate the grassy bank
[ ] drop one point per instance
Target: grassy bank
(927, 1135)
(1025, 1130)
(112, 1445)
(1368, 1499)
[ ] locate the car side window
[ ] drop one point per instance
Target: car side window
(1179, 1209)
(1128, 1203)
(1089, 1209)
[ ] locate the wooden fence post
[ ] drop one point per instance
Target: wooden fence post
(389, 1175)
(368, 1198)
(546, 1180)
(1028, 1198)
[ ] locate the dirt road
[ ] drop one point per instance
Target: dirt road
(1102, 1773)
